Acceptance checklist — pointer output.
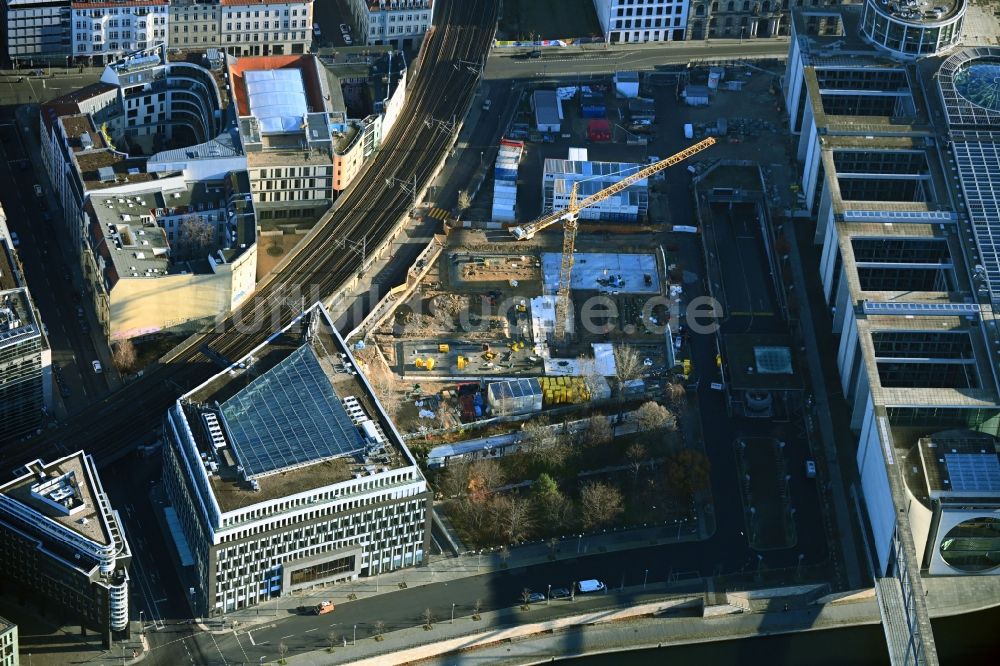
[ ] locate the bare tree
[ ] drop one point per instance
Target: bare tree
(282, 652)
(628, 365)
(454, 480)
(428, 616)
(598, 431)
(124, 356)
(512, 518)
(525, 598)
(195, 238)
(379, 628)
(654, 416)
(600, 504)
(464, 200)
(485, 476)
(476, 607)
(635, 454)
(332, 639)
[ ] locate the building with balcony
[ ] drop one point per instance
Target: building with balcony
(265, 27)
(284, 472)
(62, 543)
(630, 21)
(171, 258)
(25, 354)
(194, 24)
(105, 31)
(36, 32)
(401, 23)
(113, 136)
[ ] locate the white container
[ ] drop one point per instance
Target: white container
(688, 131)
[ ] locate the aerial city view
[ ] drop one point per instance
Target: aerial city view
(499, 332)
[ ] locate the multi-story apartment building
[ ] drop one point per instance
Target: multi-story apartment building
(25, 355)
(62, 544)
(626, 21)
(194, 24)
(104, 31)
(8, 643)
(36, 31)
(401, 23)
(285, 472)
(96, 139)
(301, 147)
(265, 27)
(171, 259)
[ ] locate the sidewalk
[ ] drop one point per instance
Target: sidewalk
(27, 118)
(442, 569)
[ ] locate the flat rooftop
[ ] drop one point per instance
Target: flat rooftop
(961, 464)
(86, 519)
(761, 361)
(916, 12)
(599, 271)
(289, 418)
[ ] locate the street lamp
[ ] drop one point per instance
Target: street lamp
(453, 613)
(142, 626)
(354, 641)
(645, 575)
(548, 595)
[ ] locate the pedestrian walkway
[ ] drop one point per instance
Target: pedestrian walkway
(442, 569)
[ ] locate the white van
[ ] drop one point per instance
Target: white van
(591, 585)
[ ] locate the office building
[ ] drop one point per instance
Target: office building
(36, 32)
(171, 259)
(911, 29)
(900, 143)
(194, 24)
(401, 23)
(284, 472)
(8, 643)
(62, 543)
(104, 32)
(302, 148)
(25, 354)
(559, 177)
(630, 21)
(265, 27)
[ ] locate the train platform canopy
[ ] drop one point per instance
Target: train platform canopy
(605, 272)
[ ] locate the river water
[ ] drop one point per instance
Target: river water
(964, 639)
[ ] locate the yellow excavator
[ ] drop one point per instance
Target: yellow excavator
(568, 216)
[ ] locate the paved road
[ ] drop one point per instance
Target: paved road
(48, 273)
(34, 89)
(573, 61)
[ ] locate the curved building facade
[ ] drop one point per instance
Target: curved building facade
(913, 28)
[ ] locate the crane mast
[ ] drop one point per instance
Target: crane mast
(568, 216)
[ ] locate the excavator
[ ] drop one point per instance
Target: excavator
(568, 216)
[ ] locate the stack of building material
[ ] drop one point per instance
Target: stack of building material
(505, 180)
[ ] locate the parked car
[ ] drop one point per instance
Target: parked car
(97, 367)
(560, 593)
(345, 29)
(316, 30)
(811, 469)
(592, 585)
(38, 190)
(14, 240)
(348, 40)
(535, 597)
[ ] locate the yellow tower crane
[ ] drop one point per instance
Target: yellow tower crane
(568, 216)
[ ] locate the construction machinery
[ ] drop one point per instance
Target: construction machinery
(568, 216)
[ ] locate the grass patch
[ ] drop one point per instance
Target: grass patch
(548, 19)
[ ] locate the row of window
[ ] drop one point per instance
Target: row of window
(118, 11)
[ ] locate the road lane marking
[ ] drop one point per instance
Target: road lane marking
(313, 629)
(288, 636)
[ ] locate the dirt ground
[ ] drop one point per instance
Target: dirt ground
(273, 249)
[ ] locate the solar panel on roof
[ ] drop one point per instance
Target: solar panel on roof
(289, 417)
(973, 472)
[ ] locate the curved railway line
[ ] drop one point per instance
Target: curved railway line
(369, 210)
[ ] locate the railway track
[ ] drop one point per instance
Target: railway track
(368, 211)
